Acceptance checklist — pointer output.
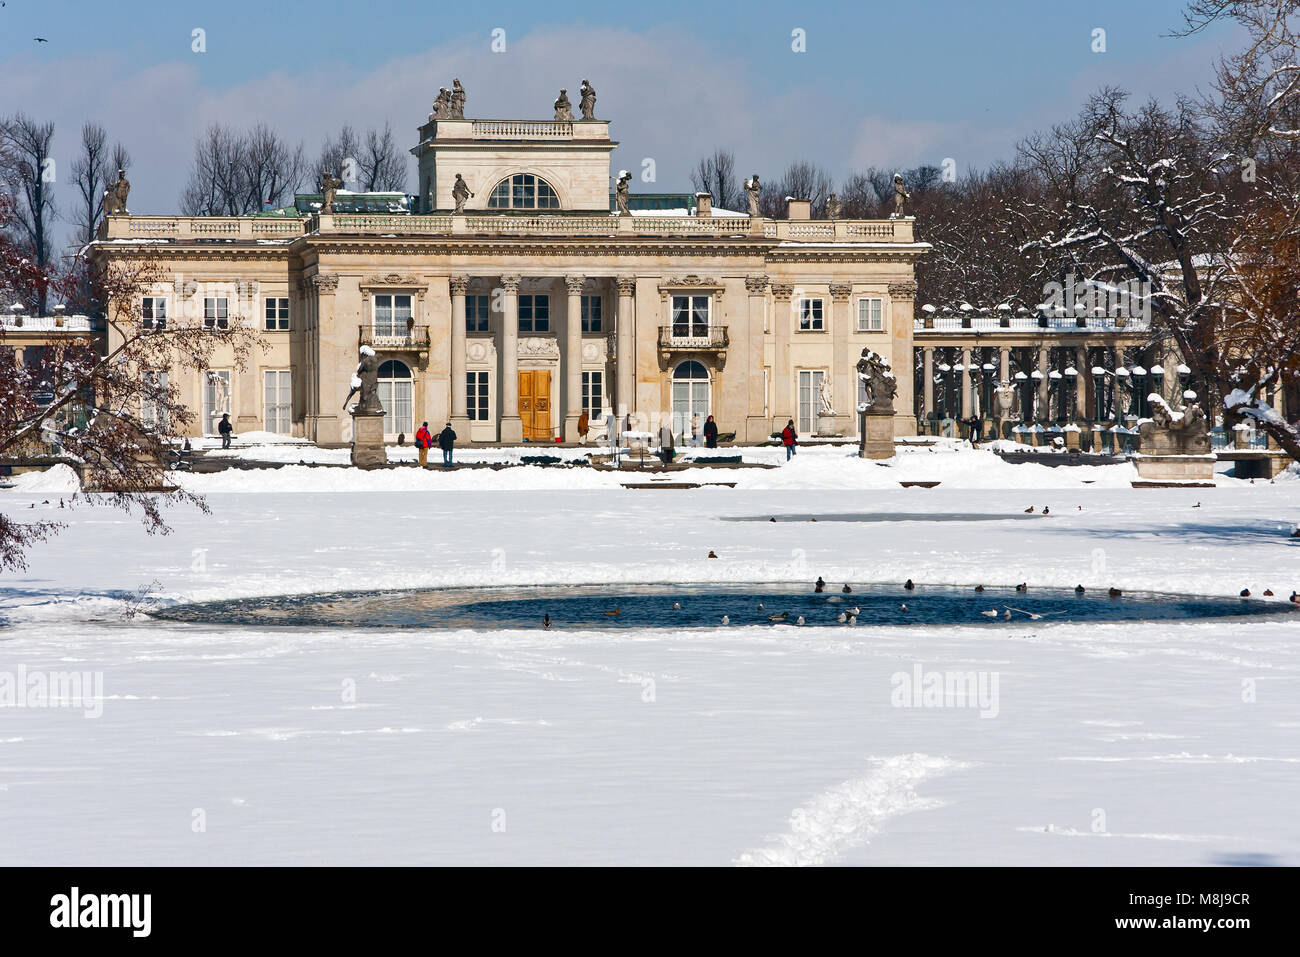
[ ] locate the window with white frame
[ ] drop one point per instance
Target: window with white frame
(871, 314)
(396, 395)
(277, 314)
(476, 396)
(593, 394)
(277, 402)
(153, 312)
(153, 412)
(534, 313)
(476, 313)
(216, 312)
(811, 315)
(523, 191)
(392, 314)
(691, 316)
(591, 320)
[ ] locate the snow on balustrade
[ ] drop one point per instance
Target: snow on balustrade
(1023, 323)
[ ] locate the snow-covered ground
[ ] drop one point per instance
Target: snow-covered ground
(1100, 744)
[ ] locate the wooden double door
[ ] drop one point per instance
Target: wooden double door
(535, 404)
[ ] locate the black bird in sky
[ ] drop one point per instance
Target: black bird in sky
(40, 39)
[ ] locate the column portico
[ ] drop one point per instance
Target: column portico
(459, 415)
(573, 356)
(625, 363)
(512, 427)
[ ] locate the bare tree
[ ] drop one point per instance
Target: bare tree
(339, 155)
(716, 175)
(33, 172)
(91, 175)
(270, 169)
(235, 173)
(383, 165)
(801, 180)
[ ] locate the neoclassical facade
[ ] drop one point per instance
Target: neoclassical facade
(536, 301)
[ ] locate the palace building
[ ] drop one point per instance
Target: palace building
(537, 301)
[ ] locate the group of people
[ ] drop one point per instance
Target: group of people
(424, 441)
(692, 434)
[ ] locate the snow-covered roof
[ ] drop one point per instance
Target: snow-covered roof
(74, 323)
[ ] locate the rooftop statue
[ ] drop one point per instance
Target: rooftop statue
(752, 190)
(563, 108)
(833, 206)
(588, 102)
(901, 196)
(621, 192)
(442, 104)
(457, 106)
(328, 185)
(460, 193)
(116, 194)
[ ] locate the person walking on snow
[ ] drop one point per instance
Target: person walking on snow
(225, 428)
(584, 426)
(710, 433)
(666, 449)
(790, 439)
(423, 442)
(446, 442)
(695, 430)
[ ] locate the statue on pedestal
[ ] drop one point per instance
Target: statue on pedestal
(563, 108)
(621, 192)
(824, 397)
(456, 107)
(901, 196)
(833, 206)
(460, 194)
(366, 381)
(879, 382)
(1174, 433)
(588, 102)
(442, 104)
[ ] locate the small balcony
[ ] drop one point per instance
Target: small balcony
(683, 339)
(414, 339)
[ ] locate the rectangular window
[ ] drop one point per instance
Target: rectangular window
(871, 315)
(691, 316)
(591, 314)
(476, 313)
(593, 395)
(153, 312)
(392, 314)
(216, 398)
(476, 396)
(277, 314)
(534, 314)
(153, 414)
(277, 405)
(811, 318)
(216, 313)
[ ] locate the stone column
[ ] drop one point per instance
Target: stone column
(625, 363)
(1043, 413)
(965, 382)
(327, 428)
(512, 427)
(757, 426)
(927, 381)
(1084, 369)
(785, 405)
(844, 376)
(573, 356)
(1004, 364)
(459, 415)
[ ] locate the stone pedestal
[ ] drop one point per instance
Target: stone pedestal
(512, 429)
(368, 440)
(877, 435)
(1175, 469)
(1071, 439)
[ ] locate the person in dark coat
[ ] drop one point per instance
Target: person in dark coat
(710, 433)
(446, 442)
(790, 439)
(225, 428)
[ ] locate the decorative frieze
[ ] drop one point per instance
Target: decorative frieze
(536, 347)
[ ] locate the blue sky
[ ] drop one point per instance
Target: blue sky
(891, 85)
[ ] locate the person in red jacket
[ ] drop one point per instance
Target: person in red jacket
(423, 441)
(790, 439)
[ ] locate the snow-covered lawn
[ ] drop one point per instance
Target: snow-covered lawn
(1103, 744)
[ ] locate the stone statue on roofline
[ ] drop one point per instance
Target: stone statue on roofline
(901, 196)
(442, 104)
(879, 383)
(588, 102)
(833, 206)
(456, 110)
(563, 108)
(116, 194)
(329, 184)
(621, 192)
(366, 382)
(752, 191)
(460, 194)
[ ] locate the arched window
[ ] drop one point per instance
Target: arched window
(396, 395)
(690, 395)
(523, 191)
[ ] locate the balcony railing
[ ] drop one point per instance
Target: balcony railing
(684, 339)
(414, 339)
(1035, 323)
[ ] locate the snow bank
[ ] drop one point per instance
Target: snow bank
(60, 479)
